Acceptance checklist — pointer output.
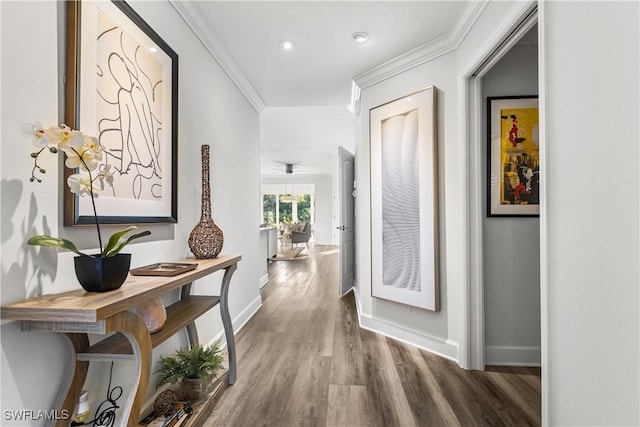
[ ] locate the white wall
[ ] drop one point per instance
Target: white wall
(425, 328)
(29, 93)
(590, 224)
(211, 111)
(439, 332)
(325, 221)
(511, 245)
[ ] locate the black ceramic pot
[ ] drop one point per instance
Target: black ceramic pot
(102, 274)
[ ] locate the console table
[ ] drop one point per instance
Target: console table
(77, 313)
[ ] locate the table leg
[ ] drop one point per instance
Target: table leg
(79, 343)
(192, 331)
(133, 327)
(226, 321)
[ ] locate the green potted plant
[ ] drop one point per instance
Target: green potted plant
(108, 269)
(191, 367)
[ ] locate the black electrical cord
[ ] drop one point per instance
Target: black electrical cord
(105, 416)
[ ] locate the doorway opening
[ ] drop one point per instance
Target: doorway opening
(489, 275)
(511, 257)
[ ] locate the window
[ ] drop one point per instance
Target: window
(305, 207)
(285, 210)
(281, 207)
(269, 209)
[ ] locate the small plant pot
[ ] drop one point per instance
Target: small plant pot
(191, 389)
(102, 274)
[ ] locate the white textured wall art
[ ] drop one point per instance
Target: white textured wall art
(404, 201)
(400, 207)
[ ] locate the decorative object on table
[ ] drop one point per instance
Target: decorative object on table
(168, 411)
(206, 238)
(105, 413)
(165, 402)
(198, 363)
(180, 415)
(513, 187)
(101, 274)
(164, 269)
(153, 313)
(82, 408)
(131, 103)
(404, 201)
(108, 269)
(191, 389)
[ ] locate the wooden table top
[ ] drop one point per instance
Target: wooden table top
(80, 306)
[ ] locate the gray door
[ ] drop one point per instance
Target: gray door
(346, 219)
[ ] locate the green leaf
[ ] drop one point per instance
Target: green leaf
(55, 242)
(115, 238)
(117, 241)
(196, 362)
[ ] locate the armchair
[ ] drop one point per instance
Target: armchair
(301, 236)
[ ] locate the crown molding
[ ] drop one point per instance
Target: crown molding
(212, 42)
(424, 53)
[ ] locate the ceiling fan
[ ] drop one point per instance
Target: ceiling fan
(289, 169)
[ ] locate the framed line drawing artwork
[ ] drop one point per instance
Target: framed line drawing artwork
(404, 201)
(122, 88)
(513, 187)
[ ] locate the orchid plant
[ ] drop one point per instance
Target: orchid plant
(82, 152)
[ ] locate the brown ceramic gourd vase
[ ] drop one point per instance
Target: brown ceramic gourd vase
(206, 238)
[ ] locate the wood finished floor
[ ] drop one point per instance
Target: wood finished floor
(304, 361)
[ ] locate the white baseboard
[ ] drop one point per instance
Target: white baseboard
(264, 280)
(512, 356)
(444, 348)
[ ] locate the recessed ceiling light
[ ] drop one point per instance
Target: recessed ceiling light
(286, 45)
(360, 37)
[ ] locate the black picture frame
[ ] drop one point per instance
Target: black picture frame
(513, 161)
(97, 34)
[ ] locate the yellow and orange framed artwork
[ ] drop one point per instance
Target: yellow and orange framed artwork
(514, 156)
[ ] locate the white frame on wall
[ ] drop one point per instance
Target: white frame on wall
(424, 289)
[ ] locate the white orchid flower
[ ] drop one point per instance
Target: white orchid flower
(82, 152)
(38, 134)
(81, 185)
(92, 143)
(70, 139)
(83, 159)
(54, 134)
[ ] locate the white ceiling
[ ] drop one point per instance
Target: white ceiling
(307, 137)
(316, 77)
(320, 68)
